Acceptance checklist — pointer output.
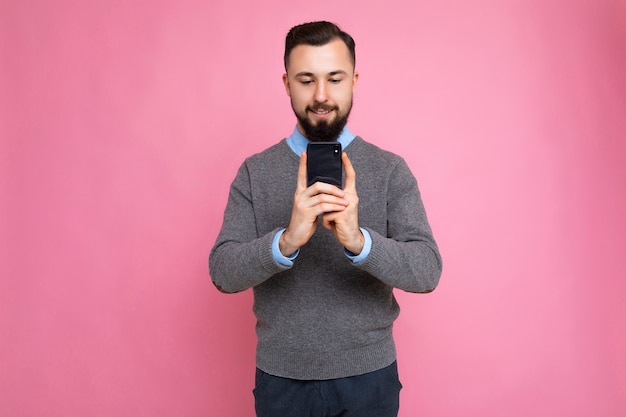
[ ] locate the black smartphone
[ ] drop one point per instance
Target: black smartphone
(323, 163)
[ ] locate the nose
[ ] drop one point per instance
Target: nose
(320, 93)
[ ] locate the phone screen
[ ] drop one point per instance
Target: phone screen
(324, 163)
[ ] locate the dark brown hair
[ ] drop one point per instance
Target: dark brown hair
(317, 34)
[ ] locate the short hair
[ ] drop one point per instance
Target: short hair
(317, 34)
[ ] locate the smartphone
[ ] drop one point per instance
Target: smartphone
(323, 163)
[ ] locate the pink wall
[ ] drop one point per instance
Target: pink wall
(123, 122)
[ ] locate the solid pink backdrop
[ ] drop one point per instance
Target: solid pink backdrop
(123, 124)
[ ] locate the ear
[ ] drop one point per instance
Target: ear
(355, 78)
(286, 83)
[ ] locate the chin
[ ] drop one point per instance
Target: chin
(321, 122)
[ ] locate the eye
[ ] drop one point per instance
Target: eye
(335, 80)
(306, 82)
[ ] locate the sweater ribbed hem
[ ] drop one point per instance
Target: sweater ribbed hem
(327, 365)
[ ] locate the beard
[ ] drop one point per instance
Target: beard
(323, 131)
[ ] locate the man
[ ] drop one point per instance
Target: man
(323, 261)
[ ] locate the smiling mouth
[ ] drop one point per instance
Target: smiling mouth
(321, 111)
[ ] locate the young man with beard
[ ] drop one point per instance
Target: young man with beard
(323, 261)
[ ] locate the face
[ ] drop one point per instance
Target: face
(320, 81)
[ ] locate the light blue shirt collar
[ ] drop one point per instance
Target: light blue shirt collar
(297, 142)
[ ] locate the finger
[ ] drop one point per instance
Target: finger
(350, 183)
(302, 182)
(323, 203)
(328, 220)
(325, 188)
(328, 224)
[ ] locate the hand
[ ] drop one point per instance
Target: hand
(308, 204)
(345, 223)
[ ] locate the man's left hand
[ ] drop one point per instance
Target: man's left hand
(345, 224)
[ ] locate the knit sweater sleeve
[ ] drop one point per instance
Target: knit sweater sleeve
(241, 257)
(407, 257)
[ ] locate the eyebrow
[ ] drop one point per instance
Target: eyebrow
(331, 74)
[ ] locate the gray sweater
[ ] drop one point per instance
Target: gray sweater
(325, 317)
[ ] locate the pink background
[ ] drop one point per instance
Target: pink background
(123, 123)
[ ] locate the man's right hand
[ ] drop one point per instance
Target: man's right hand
(308, 204)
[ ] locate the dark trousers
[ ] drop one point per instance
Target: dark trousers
(376, 394)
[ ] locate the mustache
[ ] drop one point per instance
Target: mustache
(322, 107)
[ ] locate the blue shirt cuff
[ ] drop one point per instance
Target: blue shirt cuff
(367, 248)
(278, 256)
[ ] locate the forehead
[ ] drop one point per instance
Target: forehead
(321, 59)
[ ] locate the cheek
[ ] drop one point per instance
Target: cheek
(345, 98)
(298, 99)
